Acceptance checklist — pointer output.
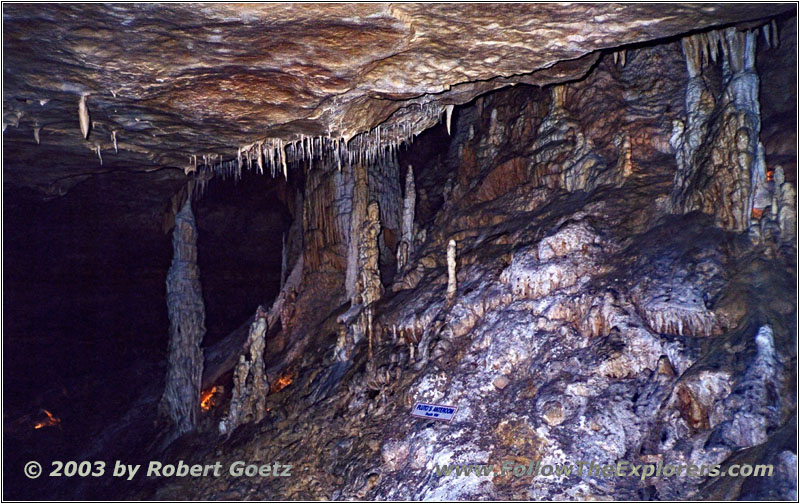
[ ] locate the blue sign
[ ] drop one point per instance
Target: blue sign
(434, 411)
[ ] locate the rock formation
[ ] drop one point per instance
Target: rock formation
(719, 153)
(369, 288)
(250, 385)
(377, 62)
(588, 323)
(181, 399)
(404, 249)
(451, 269)
(592, 260)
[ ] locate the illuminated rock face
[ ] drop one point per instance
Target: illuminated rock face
(721, 159)
(592, 318)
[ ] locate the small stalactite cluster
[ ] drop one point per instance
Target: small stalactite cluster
(279, 156)
(186, 310)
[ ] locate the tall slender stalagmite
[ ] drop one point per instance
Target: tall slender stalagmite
(187, 325)
(357, 215)
(369, 281)
(451, 269)
(407, 237)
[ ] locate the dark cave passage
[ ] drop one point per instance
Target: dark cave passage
(85, 326)
(241, 225)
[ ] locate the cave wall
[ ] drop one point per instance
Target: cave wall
(541, 188)
(589, 319)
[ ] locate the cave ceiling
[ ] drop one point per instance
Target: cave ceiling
(166, 82)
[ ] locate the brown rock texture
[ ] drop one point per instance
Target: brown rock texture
(589, 320)
(182, 85)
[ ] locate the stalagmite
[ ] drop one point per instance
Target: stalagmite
(283, 161)
(369, 282)
(407, 231)
(186, 311)
(360, 188)
(451, 269)
(250, 386)
(83, 116)
(782, 206)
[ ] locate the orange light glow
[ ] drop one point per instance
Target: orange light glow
(207, 399)
(50, 422)
(770, 174)
(284, 381)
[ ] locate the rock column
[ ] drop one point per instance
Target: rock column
(181, 397)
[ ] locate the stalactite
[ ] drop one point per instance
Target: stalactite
(720, 158)
(181, 397)
(620, 57)
(449, 111)
(373, 147)
(83, 116)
